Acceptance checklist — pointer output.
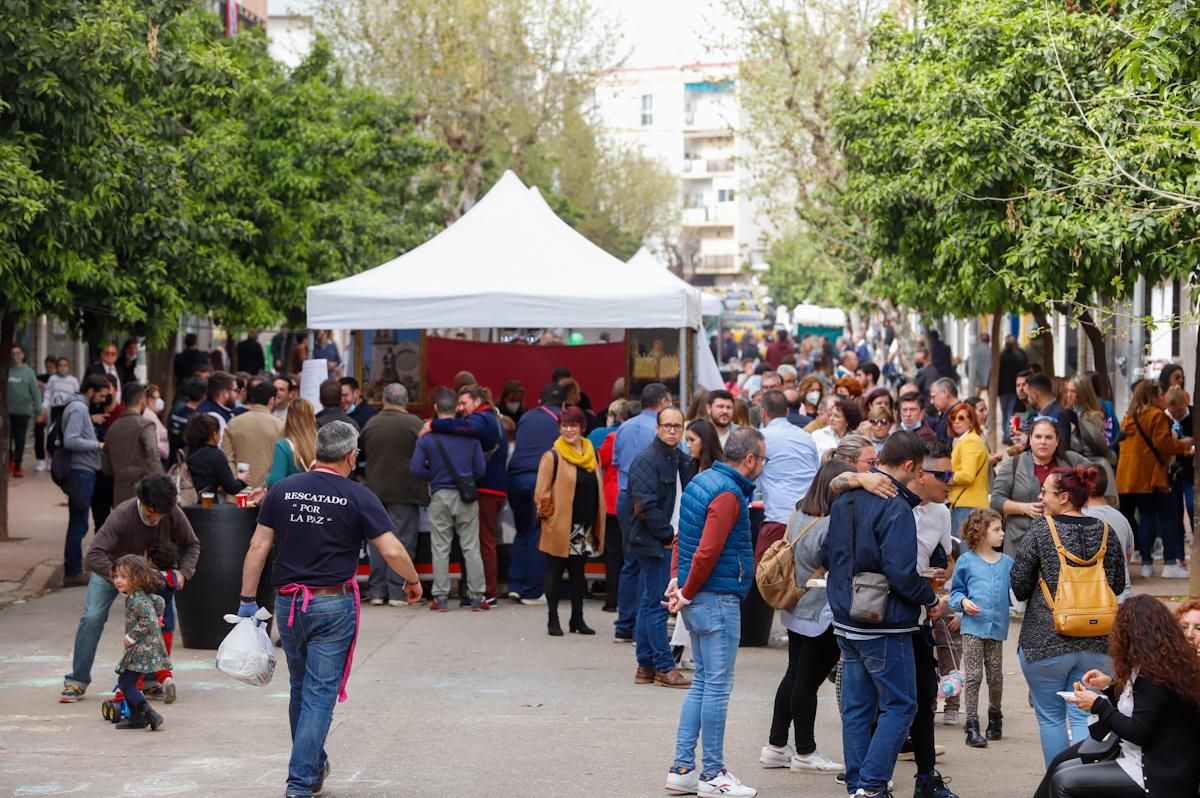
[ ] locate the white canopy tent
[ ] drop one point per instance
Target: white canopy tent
(508, 262)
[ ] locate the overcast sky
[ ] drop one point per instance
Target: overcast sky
(667, 32)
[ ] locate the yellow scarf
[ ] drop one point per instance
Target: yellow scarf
(585, 459)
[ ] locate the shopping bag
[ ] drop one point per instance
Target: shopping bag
(246, 653)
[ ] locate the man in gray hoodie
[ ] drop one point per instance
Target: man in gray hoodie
(79, 438)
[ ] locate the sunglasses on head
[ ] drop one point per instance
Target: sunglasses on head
(940, 476)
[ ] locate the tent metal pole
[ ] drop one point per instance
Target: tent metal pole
(684, 382)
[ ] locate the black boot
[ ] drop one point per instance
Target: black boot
(554, 627)
(995, 727)
(139, 718)
(577, 625)
(974, 738)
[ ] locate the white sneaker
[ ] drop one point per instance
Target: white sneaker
(376, 602)
(773, 757)
(1147, 570)
(533, 602)
(397, 603)
(40, 467)
(682, 783)
(1174, 571)
(725, 785)
(815, 762)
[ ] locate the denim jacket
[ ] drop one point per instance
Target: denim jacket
(987, 585)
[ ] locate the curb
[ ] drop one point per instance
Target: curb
(41, 579)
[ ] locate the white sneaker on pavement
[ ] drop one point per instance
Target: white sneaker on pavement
(724, 785)
(774, 757)
(40, 467)
(533, 602)
(1147, 570)
(815, 762)
(682, 783)
(377, 602)
(1174, 571)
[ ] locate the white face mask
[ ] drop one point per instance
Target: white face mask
(513, 406)
(812, 397)
(158, 405)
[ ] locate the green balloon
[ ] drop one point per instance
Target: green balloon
(575, 339)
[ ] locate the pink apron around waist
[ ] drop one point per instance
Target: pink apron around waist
(305, 594)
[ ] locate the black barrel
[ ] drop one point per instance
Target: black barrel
(224, 532)
(757, 615)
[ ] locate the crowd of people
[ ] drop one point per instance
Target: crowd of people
(911, 541)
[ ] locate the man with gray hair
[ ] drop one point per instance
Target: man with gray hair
(943, 395)
(387, 445)
(714, 564)
(317, 521)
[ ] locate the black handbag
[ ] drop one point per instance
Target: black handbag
(465, 484)
(1093, 750)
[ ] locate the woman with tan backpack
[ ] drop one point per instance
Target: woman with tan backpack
(1070, 568)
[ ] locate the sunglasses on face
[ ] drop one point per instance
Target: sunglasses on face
(940, 476)
(880, 422)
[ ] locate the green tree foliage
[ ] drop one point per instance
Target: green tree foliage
(978, 153)
(149, 167)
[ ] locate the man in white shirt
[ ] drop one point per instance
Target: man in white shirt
(791, 465)
(933, 530)
(1097, 507)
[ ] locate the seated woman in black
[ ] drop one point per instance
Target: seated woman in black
(206, 463)
(1152, 706)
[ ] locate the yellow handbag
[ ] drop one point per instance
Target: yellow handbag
(1083, 605)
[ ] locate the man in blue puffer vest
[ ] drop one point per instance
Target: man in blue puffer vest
(880, 702)
(714, 564)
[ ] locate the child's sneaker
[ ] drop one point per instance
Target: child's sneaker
(682, 782)
(480, 605)
(168, 688)
(439, 604)
(724, 785)
(71, 693)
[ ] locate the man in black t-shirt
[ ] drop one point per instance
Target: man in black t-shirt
(317, 522)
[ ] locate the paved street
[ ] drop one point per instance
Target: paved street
(459, 704)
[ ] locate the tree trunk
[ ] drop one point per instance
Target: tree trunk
(993, 386)
(1194, 571)
(1099, 344)
(1046, 337)
(8, 330)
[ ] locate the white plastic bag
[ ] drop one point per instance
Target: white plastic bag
(246, 653)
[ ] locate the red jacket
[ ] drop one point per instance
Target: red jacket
(610, 474)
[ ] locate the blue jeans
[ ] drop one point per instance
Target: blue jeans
(77, 522)
(1008, 403)
(627, 586)
(1045, 678)
(879, 688)
(653, 645)
(957, 516)
(96, 603)
(715, 623)
(1152, 515)
(527, 567)
(316, 646)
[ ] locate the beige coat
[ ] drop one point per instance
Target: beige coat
(553, 497)
(130, 453)
(251, 438)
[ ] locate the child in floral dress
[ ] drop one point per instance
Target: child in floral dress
(145, 651)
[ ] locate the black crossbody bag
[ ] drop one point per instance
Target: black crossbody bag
(464, 484)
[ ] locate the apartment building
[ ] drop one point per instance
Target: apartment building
(689, 118)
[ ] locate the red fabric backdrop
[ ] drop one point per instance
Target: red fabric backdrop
(594, 366)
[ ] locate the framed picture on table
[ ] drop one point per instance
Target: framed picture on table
(387, 356)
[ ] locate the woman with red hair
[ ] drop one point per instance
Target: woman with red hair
(1151, 702)
(1051, 661)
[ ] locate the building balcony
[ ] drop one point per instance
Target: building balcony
(715, 264)
(701, 168)
(720, 215)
